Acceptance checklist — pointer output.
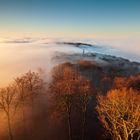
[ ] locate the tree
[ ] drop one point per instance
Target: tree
(33, 86)
(22, 96)
(105, 83)
(83, 100)
(8, 103)
(119, 112)
(120, 82)
(63, 88)
(28, 86)
(129, 82)
(70, 89)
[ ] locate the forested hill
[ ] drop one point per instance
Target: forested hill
(109, 76)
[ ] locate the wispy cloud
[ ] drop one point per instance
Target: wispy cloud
(18, 40)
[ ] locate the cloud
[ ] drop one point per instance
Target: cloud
(18, 40)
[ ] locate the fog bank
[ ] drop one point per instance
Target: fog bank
(17, 56)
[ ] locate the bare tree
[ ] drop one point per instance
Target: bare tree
(8, 103)
(32, 86)
(119, 112)
(22, 96)
(28, 86)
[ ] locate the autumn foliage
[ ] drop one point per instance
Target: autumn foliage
(119, 112)
(68, 87)
(83, 101)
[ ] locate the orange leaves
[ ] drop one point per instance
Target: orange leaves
(119, 112)
(68, 81)
(87, 63)
(130, 82)
(67, 84)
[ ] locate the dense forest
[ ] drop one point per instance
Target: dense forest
(82, 101)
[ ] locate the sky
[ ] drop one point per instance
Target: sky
(70, 18)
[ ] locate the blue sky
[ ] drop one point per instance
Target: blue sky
(70, 18)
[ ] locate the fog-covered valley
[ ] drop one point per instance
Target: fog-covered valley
(20, 55)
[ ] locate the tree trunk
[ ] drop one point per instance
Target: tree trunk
(69, 125)
(32, 106)
(69, 122)
(84, 124)
(9, 127)
(23, 118)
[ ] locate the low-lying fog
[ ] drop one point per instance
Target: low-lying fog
(17, 56)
